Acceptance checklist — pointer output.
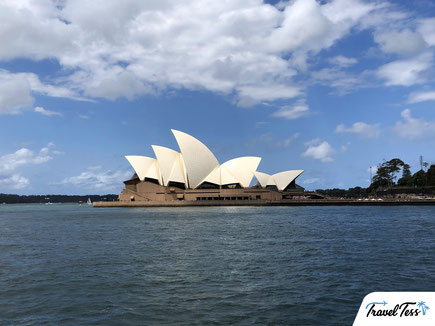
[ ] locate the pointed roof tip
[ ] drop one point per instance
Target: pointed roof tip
(175, 131)
(156, 146)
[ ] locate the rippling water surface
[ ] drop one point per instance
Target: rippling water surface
(72, 265)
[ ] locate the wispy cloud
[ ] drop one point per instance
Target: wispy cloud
(342, 61)
(48, 113)
(293, 112)
(361, 128)
(342, 82)
(94, 179)
(414, 128)
(421, 96)
(406, 72)
(17, 90)
(271, 142)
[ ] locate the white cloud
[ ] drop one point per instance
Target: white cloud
(361, 128)
(342, 81)
(319, 149)
(247, 49)
(427, 30)
(414, 128)
(342, 61)
(14, 93)
(51, 90)
(297, 32)
(9, 163)
(404, 42)
(250, 95)
(83, 116)
(46, 112)
(406, 72)
(417, 97)
(14, 181)
(92, 179)
(24, 156)
(296, 111)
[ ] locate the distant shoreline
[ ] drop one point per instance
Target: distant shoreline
(41, 199)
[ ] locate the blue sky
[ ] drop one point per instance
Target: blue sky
(331, 87)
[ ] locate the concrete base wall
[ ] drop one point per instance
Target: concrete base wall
(308, 202)
(136, 190)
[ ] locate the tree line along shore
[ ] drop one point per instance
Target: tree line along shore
(392, 179)
(36, 199)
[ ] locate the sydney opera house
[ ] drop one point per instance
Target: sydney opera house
(194, 174)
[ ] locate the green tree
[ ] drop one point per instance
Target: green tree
(406, 179)
(387, 173)
(406, 171)
(431, 175)
(419, 179)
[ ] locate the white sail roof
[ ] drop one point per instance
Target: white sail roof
(264, 179)
(198, 159)
(221, 176)
(171, 165)
(243, 168)
(281, 180)
(145, 167)
(227, 177)
(214, 176)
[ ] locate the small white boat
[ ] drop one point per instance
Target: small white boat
(89, 201)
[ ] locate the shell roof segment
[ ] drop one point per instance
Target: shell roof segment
(281, 180)
(145, 167)
(171, 165)
(243, 168)
(198, 159)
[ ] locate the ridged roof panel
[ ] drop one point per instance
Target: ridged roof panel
(145, 167)
(243, 168)
(283, 179)
(171, 164)
(198, 159)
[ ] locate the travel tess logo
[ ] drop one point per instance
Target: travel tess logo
(404, 309)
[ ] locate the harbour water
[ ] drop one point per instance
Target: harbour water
(78, 265)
